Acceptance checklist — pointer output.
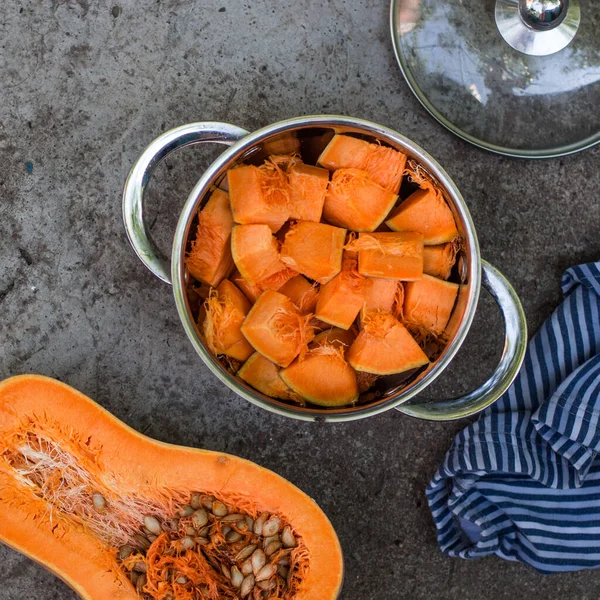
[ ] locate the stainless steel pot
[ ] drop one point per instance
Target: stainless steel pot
(397, 393)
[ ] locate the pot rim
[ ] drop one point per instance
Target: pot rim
(232, 155)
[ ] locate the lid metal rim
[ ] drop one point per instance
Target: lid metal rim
(584, 144)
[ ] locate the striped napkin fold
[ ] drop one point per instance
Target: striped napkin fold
(523, 481)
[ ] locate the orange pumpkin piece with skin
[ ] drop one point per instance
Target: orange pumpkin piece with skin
(225, 311)
(356, 202)
(341, 299)
(428, 304)
(259, 195)
(255, 252)
(314, 250)
(426, 212)
(57, 526)
(439, 260)
(209, 259)
(380, 294)
(308, 187)
(323, 377)
(250, 290)
(384, 346)
(389, 255)
(263, 375)
(336, 336)
(302, 293)
(384, 165)
(276, 328)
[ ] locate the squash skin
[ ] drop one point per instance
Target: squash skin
(139, 463)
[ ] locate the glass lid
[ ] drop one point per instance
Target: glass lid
(517, 77)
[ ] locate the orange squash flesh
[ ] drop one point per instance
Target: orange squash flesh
(384, 165)
(356, 202)
(124, 464)
(302, 293)
(380, 294)
(384, 346)
(209, 259)
(314, 250)
(341, 299)
(287, 143)
(322, 377)
(457, 317)
(390, 255)
(276, 329)
(428, 303)
(439, 260)
(255, 252)
(259, 195)
(308, 186)
(263, 375)
(336, 336)
(250, 290)
(426, 212)
(226, 308)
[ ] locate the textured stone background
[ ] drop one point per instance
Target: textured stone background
(85, 87)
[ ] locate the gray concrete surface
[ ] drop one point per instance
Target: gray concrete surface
(84, 87)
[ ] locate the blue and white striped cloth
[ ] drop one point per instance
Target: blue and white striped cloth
(523, 482)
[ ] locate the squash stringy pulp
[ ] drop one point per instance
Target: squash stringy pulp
(172, 545)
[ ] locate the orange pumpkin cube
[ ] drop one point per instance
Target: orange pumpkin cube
(428, 303)
(314, 249)
(302, 293)
(439, 260)
(263, 375)
(384, 165)
(357, 202)
(390, 255)
(341, 299)
(384, 346)
(308, 186)
(209, 259)
(426, 212)
(336, 336)
(255, 252)
(259, 195)
(276, 329)
(250, 290)
(223, 315)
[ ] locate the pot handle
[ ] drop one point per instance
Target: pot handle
(140, 174)
(515, 344)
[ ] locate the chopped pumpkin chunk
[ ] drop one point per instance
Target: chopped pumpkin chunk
(226, 308)
(384, 165)
(314, 249)
(276, 329)
(302, 293)
(439, 260)
(209, 259)
(384, 346)
(357, 202)
(336, 336)
(308, 186)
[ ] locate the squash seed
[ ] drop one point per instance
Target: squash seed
(187, 543)
(125, 551)
(266, 572)
(258, 524)
(207, 501)
(219, 509)
(247, 567)
(190, 531)
(233, 536)
(271, 527)
(232, 517)
(266, 585)
(199, 518)
(195, 501)
(186, 511)
(287, 538)
(283, 571)
(268, 540)
(201, 541)
(182, 579)
(245, 553)
(258, 560)
(250, 521)
(247, 585)
(272, 548)
(236, 577)
(142, 540)
(225, 570)
(205, 531)
(140, 567)
(152, 525)
(140, 583)
(99, 502)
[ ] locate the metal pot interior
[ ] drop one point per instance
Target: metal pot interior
(309, 136)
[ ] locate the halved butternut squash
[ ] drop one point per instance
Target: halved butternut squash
(255, 252)
(259, 194)
(209, 259)
(356, 202)
(308, 186)
(263, 375)
(439, 260)
(426, 212)
(389, 255)
(322, 377)
(428, 304)
(384, 346)
(341, 299)
(80, 491)
(314, 249)
(276, 328)
(384, 165)
(226, 308)
(302, 293)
